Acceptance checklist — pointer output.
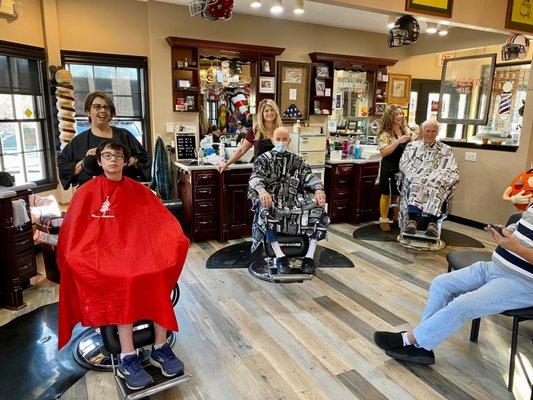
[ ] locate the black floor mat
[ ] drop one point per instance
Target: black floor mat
(31, 366)
(238, 256)
(451, 238)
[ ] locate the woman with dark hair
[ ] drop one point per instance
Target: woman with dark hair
(393, 135)
(77, 162)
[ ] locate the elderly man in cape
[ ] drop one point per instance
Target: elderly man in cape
(280, 188)
(430, 174)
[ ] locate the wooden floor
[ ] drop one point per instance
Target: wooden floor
(242, 338)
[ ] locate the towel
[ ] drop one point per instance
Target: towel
(20, 214)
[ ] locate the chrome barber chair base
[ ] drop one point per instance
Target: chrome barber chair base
(420, 241)
(263, 269)
(90, 353)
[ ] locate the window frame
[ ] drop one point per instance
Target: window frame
(17, 50)
(118, 60)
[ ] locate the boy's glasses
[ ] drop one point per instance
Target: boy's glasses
(109, 156)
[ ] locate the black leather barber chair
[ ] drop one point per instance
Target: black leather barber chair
(295, 248)
(90, 350)
(143, 335)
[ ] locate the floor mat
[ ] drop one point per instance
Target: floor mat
(32, 367)
(238, 256)
(451, 238)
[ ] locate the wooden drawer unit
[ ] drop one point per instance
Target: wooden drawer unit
(204, 178)
(338, 186)
(17, 257)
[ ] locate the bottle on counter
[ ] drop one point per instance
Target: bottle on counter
(186, 63)
(200, 156)
(357, 150)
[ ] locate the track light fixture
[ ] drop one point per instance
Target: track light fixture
(276, 7)
(431, 28)
(256, 4)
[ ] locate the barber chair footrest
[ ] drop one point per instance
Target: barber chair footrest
(420, 243)
(160, 384)
(263, 269)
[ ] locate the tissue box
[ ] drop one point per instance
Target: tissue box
(335, 155)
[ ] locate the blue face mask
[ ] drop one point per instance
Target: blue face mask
(280, 147)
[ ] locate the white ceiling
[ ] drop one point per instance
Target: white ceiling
(315, 13)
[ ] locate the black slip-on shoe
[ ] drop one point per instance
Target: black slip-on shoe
(308, 266)
(282, 265)
(388, 340)
(411, 227)
(412, 354)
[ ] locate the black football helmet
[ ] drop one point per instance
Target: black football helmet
(404, 32)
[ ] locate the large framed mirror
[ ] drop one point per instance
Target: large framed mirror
(466, 86)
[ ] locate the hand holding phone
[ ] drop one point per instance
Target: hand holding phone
(497, 228)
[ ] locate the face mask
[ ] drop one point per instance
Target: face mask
(280, 147)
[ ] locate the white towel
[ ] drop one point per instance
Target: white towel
(20, 214)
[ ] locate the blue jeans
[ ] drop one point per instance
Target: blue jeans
(469, 293)
(271, 235)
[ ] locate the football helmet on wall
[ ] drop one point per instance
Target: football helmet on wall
(404, 32)
(516, 46)
(212, 10)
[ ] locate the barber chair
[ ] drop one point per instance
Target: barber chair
(91, 351)
(143, 335)
(294, 247)
(419, 240)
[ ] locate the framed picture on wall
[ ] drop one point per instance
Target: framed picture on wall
(267, 84)
(398, 89)
(293, 90)
(519, 16)
(439, 8)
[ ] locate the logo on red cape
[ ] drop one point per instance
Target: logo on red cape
(105, 210)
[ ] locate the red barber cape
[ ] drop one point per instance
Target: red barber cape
(120, 253)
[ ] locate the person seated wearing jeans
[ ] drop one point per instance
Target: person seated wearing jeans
(120, 254)
(484, 288)
(430, 174)
(280, 188)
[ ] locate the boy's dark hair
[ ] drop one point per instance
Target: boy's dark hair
(113, 145)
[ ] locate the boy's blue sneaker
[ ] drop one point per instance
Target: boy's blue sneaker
(130, 369)
(164, 359)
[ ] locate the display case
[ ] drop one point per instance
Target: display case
(185, 78)
(321, 90)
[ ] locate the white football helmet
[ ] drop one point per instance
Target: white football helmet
(516, 46)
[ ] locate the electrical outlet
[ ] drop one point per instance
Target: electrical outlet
(470, 156)
(170, 127)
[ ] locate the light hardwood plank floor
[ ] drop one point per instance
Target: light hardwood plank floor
(246, 339)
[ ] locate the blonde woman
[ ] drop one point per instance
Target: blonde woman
(261, 136)
(393, 136)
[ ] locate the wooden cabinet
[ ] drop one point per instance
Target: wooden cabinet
(321, 90)
(351, 192)
(215, 206)
(17, 256)
(198, 191)
(235, 208)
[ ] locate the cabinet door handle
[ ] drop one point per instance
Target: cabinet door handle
(23, 243)
(204, 222)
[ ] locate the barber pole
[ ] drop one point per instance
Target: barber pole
(504, 108)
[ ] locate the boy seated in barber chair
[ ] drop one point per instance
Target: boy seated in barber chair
(429, 174)
(120, 253)
(280, 187)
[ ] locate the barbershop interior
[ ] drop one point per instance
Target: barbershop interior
(266, 199)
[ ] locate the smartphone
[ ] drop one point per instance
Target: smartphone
(496, 228)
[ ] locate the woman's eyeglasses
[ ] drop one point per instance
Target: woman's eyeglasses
(98, 107)
(109, 156)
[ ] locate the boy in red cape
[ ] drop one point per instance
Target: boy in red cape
(120, 253)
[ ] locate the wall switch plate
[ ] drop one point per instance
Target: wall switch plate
(470, 156)
(170, 127)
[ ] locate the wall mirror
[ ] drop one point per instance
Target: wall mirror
(465, 90)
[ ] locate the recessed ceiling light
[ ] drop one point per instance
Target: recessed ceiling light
(431, 28)
(256, 4)
(276, 7)
(443, 31)
(298, 7)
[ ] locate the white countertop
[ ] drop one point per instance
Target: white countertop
(352, 161)
(184, 165)
(11, 191)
